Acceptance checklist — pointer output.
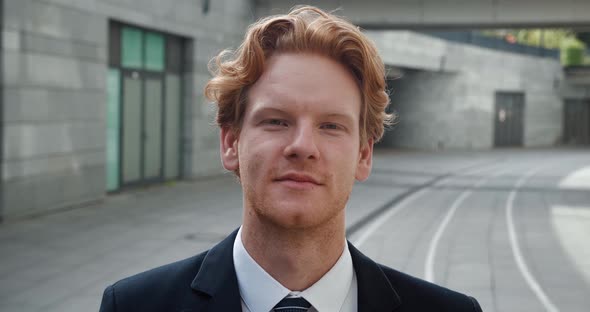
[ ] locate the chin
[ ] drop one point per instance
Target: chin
(298, 216)
(291, 217)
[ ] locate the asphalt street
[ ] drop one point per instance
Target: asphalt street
(510, 227)
(512, 232)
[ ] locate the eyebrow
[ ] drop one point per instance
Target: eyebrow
(342, 116)
(265, 110)
(257, 113)
(268, 110)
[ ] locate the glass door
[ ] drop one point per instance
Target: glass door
(144, 106)
(152, 129)
(132, 132)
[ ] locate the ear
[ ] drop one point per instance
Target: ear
(228, 140)
(365, 162)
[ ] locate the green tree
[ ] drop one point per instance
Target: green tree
(547, 38)
(573, 52)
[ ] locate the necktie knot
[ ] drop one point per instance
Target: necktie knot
(294, 304)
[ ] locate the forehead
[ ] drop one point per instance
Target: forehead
(306, 82)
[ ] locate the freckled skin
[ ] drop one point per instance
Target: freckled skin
(305, 89)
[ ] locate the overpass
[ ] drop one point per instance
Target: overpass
(425, 14)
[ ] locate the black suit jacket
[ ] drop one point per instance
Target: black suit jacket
(208, 282)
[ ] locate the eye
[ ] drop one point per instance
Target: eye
(331, 126)
(275, 122)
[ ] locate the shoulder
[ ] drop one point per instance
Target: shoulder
(166, 275)
(419, 295)
(155, 289)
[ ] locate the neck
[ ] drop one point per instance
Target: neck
(296, 258)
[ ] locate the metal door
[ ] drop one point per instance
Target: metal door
(576, 122)
(508, 119)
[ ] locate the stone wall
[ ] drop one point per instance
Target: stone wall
(54, 94)
(446, 97)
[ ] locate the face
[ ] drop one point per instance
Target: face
(298, 151)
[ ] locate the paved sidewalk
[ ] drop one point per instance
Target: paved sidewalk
(63, 261)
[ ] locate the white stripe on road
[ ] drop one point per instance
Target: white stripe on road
(397, 207)
(579, 179)
(572, 225)
(393, 210)
(520, 262)
(433, 246)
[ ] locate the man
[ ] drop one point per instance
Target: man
(300, 104)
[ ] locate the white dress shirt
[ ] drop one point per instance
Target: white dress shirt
(260, 292)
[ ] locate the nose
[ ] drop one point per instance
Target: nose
(302, 144)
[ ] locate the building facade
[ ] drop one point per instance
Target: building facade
(450, 95)
(101, 95)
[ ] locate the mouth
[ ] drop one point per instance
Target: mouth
(298, 180)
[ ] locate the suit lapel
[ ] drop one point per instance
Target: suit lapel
(375, 292)
(217, 277)
(217, 280)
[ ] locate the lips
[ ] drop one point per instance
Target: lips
(299, 178)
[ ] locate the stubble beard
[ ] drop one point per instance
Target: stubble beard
(270, 212)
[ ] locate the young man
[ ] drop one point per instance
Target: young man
(300, 104)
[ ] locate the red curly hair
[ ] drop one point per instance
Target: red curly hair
(303, 30)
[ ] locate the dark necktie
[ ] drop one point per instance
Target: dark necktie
(297, 304)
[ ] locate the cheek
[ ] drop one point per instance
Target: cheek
(252, 163)
(252, 167)
(342, 171)
(347, 161)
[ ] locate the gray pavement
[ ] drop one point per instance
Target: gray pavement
(63, 261)
(475, 253)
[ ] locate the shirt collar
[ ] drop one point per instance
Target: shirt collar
(327, 294)
(259, 290)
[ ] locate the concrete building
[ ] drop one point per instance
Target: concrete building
(576, 106)
(100, 96)
(460, 96)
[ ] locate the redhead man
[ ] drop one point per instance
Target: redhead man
(300, 104)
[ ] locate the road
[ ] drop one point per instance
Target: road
(512, 231)
(509, 227)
